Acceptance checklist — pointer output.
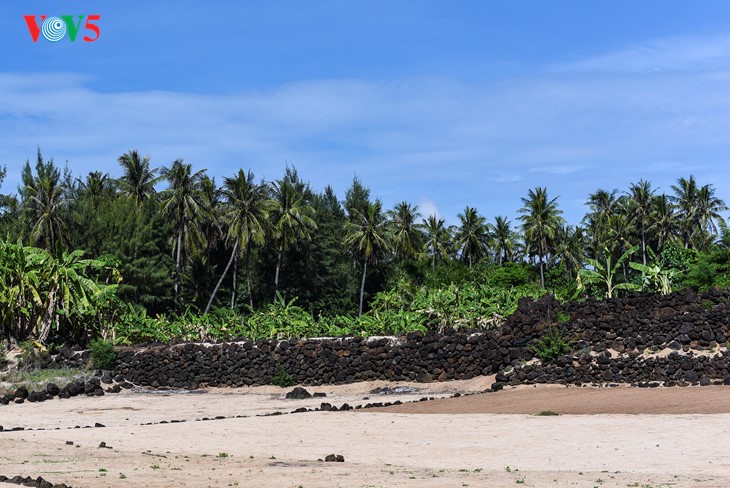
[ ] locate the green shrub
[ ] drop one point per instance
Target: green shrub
(562, 317)
(551, 345)
(103, 354)
(3, 355)
(282, 378)
(33, 355)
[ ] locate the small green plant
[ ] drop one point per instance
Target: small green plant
(282, 378)
(222, 455)
(562, 317)
(707, 304)
(155, 466)
(32, 355)
(551, 345)
(122, 476)
(103, 354)
(548, 413)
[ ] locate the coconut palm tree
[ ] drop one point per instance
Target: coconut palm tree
(367, 233)
(603, 206)
(184, 202)
(541, 219)
(708, 214)
(246, 213)
(504, 239)
(138, 181)
(407, 236)
(664, 224)
(641, 196)
(437, 238)
(570, 248)
(472, 236)
(293, 218)
(44, 199)
(95, 185)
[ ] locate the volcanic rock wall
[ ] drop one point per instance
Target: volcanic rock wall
(613, 342)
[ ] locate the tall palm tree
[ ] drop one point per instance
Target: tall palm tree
(642, 197)
(504, 239)
(685, 199)
(436, 242)
(708, 213)
(570, 248)
(246, 213)
(44, 198)
(603, 206)
(367, 233)
(185, 204)
(407, 237)
(664, 223)
(293, 219)
(95, 185)
(138, 181)
(541, 219)
(472, 236)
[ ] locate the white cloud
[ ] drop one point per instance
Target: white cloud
(678, 54)
(601, 122)
(428, 207)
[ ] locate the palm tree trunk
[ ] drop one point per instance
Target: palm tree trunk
(47, 320)
(278, 267)
(225, 272)
(643, 243)
(177, 264)
(542, 274)
(362, 285)
(235, 276)
(248, 276)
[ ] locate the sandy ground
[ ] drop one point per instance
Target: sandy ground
(678, 437)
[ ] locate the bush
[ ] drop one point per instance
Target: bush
(282, 378)
(103, 354)
(33, 355)
(551, 345)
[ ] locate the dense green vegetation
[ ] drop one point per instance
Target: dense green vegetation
(168, 253)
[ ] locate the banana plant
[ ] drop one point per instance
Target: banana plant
(604, 274)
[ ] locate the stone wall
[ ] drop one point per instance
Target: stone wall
(695, 326)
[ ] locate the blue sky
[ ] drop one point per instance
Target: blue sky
(441, 103)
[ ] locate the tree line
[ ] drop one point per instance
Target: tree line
(182, 241)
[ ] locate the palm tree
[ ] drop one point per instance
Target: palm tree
(504, 239)
(472, 236)
(293, 218)
(44, 199)
(406, 234)
(541, 219)
(185, 204)
(570, 248)
(367, 233)
(138, 181)
(437, 238)
(685, 199)
(95, 185)
(664, 223)
(603, 206)
(246, 213)
(642, 196)
(708, 212)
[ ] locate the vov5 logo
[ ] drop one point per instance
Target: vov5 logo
(56, 28)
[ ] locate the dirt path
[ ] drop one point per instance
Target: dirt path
(381, 449)
(576, 400)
